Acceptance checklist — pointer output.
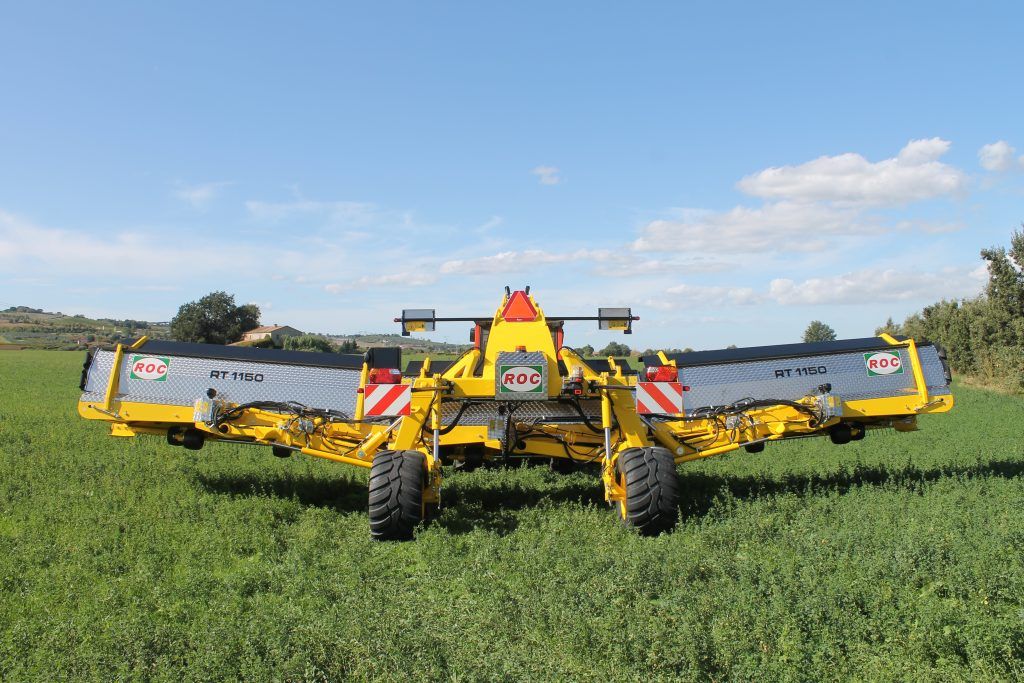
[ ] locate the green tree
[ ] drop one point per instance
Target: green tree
(348, 346)
(309, 342)
(889, 327)
(214, 319)
(818, 331)
(615, 349)
(983, 336)
(586, 351)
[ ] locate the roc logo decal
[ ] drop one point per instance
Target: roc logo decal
(152, 368)
(520, 379)
(883, 363)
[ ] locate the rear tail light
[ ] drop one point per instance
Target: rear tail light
(385, 376)
(663, 373)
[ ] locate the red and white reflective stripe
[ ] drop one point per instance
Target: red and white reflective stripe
(659, 398)
(386, 399)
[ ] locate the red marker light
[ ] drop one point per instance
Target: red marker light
(384, 376)
(663, 373)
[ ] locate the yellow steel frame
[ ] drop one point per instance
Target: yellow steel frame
(356, 442)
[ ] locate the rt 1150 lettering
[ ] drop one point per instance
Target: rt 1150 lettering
(801, 372)
(239, 376)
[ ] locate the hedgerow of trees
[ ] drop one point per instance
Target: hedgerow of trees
(983, 336)
(615, 349)
(309, 342)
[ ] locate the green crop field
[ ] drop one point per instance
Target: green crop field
(897, 558)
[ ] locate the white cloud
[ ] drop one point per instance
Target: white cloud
(356, 214)
(625, 264)
(876, 285)
(199, 196)
(548, 175)
(997, 156)
(489, 225)
(157, 263)
(507, 262)
(405, 279)
(928, 227)
(621, 263)
(700, 296)
(849, 179)
(26, 248)
(347, 220)
(772, 227)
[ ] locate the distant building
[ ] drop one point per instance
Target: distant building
(275, 332)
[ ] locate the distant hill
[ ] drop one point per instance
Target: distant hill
(25, 327)
(22, 326)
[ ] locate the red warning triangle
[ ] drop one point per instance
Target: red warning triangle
(519, 309)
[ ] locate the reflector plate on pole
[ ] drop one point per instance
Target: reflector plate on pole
(387, 399)
(659, 398)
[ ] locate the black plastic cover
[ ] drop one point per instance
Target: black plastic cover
(696, 358)
(85, 367)
(252, 354)
(384, 357)
(600, 365)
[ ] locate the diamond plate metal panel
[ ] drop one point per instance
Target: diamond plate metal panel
(514, 358)
(793, 378)
(236, 381)
(540, 411)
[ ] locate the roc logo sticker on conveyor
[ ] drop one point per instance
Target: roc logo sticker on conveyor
(883, 363)
(150, 368)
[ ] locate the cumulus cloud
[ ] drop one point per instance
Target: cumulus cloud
(548, 175)
(199, 196)
(997, 156)
(799, 226)
(849, 179)
(809, 206)
(877, 285)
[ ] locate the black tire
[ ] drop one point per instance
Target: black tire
(652, 490)
(859, 431)
(193, 439)
(174, 435)
(396, 486)
(841, 434)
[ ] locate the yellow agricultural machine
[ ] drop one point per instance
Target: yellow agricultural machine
(519, 392)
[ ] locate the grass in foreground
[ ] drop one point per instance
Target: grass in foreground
(898, 558)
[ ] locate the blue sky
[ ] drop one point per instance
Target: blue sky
(729, 171)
